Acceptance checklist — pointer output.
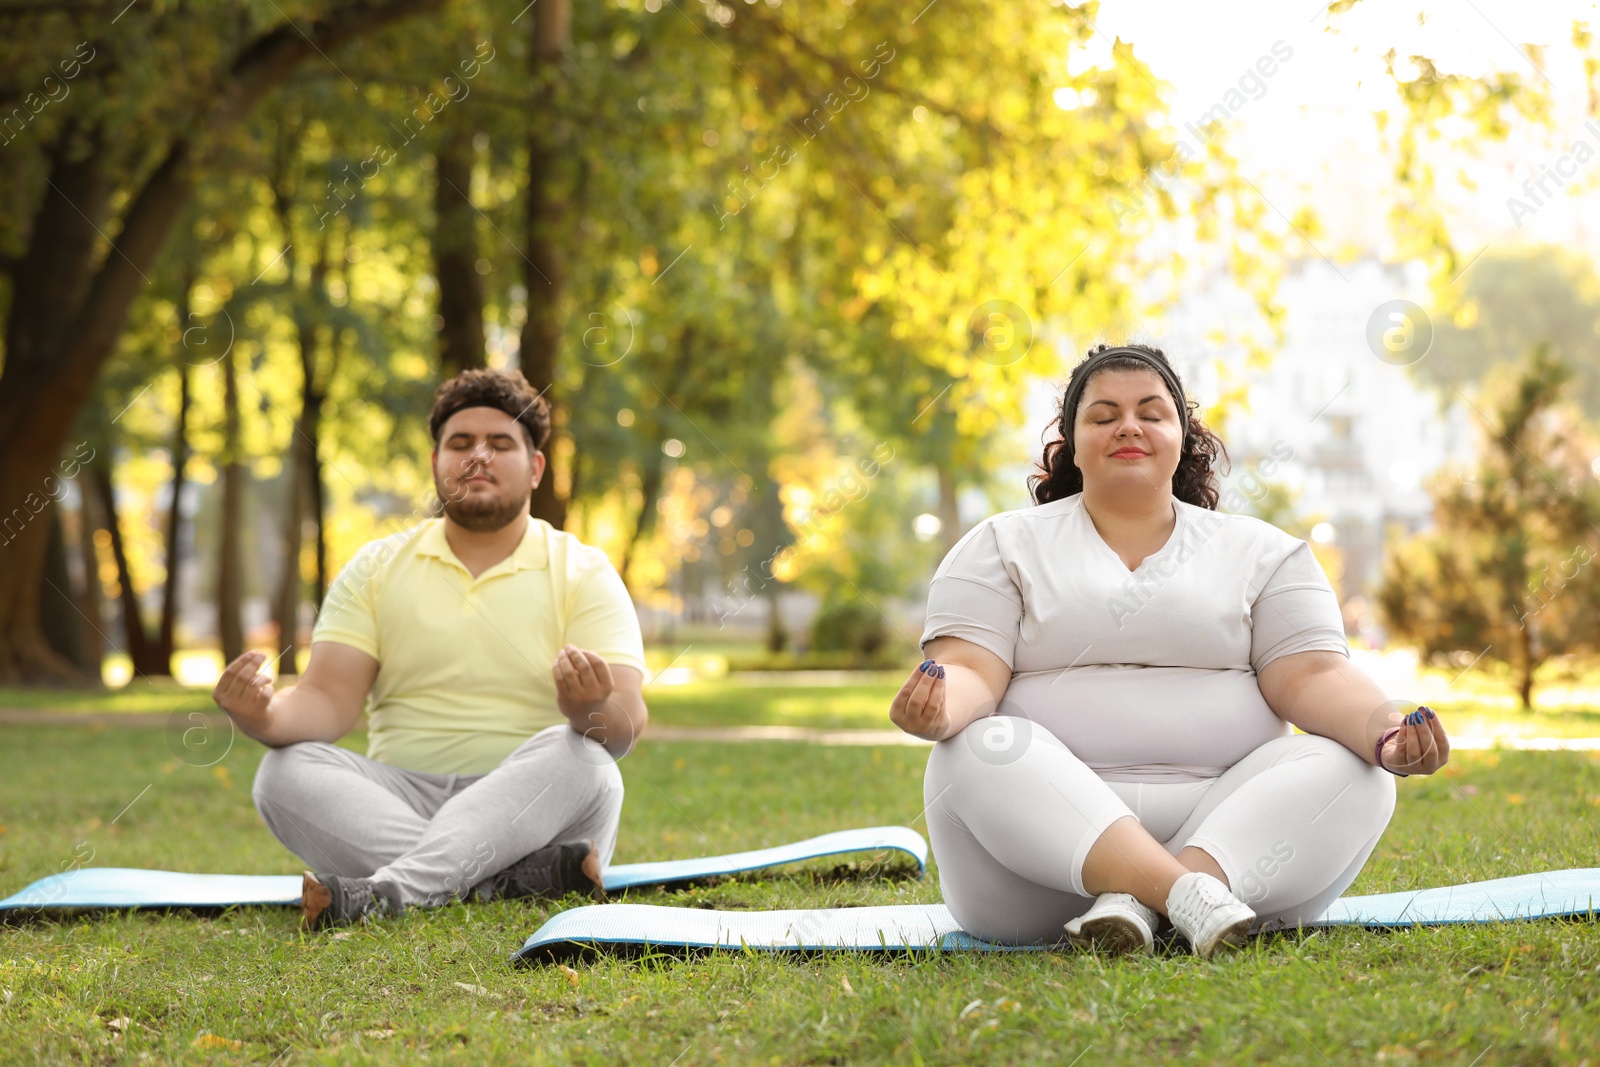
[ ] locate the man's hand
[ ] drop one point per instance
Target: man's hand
(243, 693)
(583, 682)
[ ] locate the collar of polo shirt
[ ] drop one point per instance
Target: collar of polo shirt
(531, 552)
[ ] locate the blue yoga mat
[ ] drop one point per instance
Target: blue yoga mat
(124, 887)
(925, 927)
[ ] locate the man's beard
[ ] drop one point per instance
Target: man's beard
(484, 512)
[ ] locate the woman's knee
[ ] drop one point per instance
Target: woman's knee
(992, 743)
(1368, 782)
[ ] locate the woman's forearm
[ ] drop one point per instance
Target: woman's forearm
(967, 697)
(1340, 701)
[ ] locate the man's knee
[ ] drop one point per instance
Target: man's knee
(281, 769)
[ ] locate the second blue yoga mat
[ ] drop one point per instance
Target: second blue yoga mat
(122, 887)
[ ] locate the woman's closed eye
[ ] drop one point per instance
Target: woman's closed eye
(1108, 422)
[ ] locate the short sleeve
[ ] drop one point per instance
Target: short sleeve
(349, 613)
(601, 618)
(973, 596)
(1296, 611)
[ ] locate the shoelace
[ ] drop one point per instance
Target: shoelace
(1198, 897)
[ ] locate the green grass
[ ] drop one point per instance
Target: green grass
(147, 987)
(863, 705)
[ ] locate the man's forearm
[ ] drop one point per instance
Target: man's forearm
(615, 722)
(300, 713)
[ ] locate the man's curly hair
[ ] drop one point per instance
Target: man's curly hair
(1194, 482)
(507, 390)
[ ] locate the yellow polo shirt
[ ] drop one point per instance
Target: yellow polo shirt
(463, 662)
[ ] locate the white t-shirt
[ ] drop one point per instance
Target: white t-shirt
(1146, 675)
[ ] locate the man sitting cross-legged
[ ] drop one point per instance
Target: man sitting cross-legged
(504, 664)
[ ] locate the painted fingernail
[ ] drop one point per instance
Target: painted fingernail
(1430, 713)
(941, 672)
(925, 665)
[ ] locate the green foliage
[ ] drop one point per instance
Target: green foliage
(1507, 575)
(849, 624)
(1511, 301)
(755, 205)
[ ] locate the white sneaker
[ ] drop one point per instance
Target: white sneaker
(1115, 923)
(1207, 914)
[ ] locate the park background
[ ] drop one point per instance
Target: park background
(802, 282)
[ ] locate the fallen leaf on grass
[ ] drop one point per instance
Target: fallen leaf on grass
(205, 1040)
(478, 989)
(379, 1034)
(572, 975)
(120, 1023)
(844, 983)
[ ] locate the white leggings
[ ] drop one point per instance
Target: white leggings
(1290, 825)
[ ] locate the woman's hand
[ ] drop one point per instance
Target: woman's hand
(918, 708)
(1418, 747)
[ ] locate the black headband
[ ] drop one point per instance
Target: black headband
(1086, 369)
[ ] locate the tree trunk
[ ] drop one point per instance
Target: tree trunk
(541, 331)
(70, 300)
(316, 399)
(318, 494)
(286, 602)
(650, 488)
(777, 634)
(1526, 665)
(59, 618)
(94, 642)
(166, 644)
(141, 654)
(455, 252)
(52, 276)
(230, 626)
(308, 304)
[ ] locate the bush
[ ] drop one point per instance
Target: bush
(849, 626)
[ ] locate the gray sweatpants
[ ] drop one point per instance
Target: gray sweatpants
(435, 836)
(1012, 814)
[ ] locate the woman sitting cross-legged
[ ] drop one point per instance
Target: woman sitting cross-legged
(1111, 681)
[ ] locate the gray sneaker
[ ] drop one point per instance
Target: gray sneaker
(329, 900)
(549, 872)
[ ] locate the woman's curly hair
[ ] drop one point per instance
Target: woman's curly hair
(1193, 482)
(507, 390)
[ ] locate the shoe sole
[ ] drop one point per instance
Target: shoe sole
(1231, 938)
(1110, 935)
(315, 898)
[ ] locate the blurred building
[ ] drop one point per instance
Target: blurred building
(1360, 435)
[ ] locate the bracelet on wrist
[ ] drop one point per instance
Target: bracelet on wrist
(1377, 753)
